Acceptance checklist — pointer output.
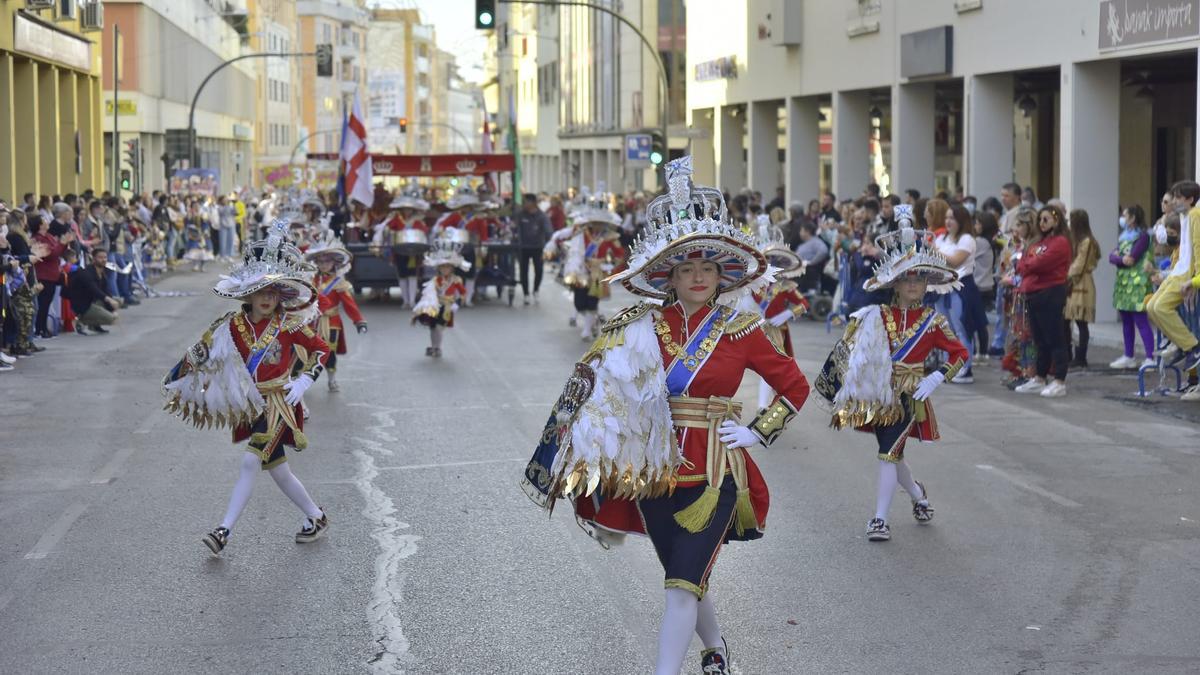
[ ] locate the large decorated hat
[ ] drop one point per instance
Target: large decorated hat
(329, 245)
(464, 198)
(445, 251)
(911, 253)
(591, 208)
(274, 261)
(772, 244)
(689, 223)
(409, 199)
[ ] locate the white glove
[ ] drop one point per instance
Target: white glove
(454, 308)
(734, 435)
(296, 388)
(927, 384)
(780, 318)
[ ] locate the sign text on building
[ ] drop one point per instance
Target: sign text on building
(717, 69)
(1130, 23)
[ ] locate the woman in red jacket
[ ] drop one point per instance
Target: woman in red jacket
(1043, 271)
(48, 270)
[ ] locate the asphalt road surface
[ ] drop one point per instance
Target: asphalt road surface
(1067, 537)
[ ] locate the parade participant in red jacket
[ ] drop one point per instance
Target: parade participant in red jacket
(875, 376)
(239, 374)
(780, 302)
(441, 295)
(462, 225)
(406, 236)
(334, 295)
(655, 442)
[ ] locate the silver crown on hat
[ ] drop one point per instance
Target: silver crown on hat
(275, 255)
(686, 209)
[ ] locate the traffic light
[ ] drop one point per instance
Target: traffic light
(485, 14)
(131, 153)
(125, 179)
(658, 148)
(404, 125)
(325, 60)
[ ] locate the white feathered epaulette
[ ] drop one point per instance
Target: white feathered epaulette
(216, 390)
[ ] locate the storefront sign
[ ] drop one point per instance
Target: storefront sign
(34, 38)
(1131, 23)
(196, 182)
(124, 107)
(313, 176)
(724, 68)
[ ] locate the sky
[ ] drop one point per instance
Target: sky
(455, 24)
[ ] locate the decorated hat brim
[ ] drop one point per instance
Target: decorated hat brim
(740, 264)
(940, 279)
(344, 257)
(294, 293)
(413, 204)
(784, 259)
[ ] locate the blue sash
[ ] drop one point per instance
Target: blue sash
(331, 285)
(765, 302)
(256, 357)
(905, 349)
(590, 251)
(681, 372)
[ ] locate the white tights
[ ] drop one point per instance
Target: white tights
(683, 616)
(891, 474)
(435, 336)
(284, 478)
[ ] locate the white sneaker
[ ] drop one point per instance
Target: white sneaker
(1169, 353)
(7, 359)
(1056, 389)
(1192, 394)
(1123, 362)
(1149, 363)
(1033, 386)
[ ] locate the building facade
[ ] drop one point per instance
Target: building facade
(274, 27)
(1091, 101)
(167, 49)
(343, 24)
(51, 103)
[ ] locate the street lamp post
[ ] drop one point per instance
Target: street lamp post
(196, 98)
(662, 69)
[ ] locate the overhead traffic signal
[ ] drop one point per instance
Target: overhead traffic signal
(126, 183)
(131, 152)
(325, 60)
(485, 14)
(658, 148)
(404, 125)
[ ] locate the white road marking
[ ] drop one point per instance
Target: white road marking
(447, 465)
(57, 531)
(108, 472)
(1030, 487)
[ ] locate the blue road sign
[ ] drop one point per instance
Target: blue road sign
(637, 148)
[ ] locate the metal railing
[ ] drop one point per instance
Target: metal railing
(1189, 311)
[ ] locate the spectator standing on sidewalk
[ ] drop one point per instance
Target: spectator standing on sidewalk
(86, 291)
(227, 227)
(957, 244)
(1081, 302)
(48, 270)
(1132, 257)
(1043, 270)
(533, 231)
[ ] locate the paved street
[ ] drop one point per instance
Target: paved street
(1067, 538)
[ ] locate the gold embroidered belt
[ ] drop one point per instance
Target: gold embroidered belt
(709, 413)
(906, 376)
(278, 412)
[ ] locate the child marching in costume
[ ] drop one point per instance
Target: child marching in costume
(442, 294)
(238, 375)
(408, 236)
(780, 302)
(646, 439)
(591, 252)
(463, 225)
(334, 294)
(875, 376)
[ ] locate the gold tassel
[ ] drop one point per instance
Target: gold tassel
(746, 520)
(697, 516)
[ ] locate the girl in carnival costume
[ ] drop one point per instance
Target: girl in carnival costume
(441, 295)
(591, 250)
(646, 439)
(239, 375)
(875, 376)
(334, 295)
(779, 302)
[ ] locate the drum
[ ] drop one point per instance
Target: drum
(457, 235)
(409, 241)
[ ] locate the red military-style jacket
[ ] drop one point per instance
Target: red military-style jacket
(334, 294)
(781, 296)
(397, 223)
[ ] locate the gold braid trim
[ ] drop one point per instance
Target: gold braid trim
(771, 422)
(743, 324)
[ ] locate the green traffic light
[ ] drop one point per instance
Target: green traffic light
(125, 184)
(656, 157)
(485, 18)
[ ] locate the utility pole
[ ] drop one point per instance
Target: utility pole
(116, 136)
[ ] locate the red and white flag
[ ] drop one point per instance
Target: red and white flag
(356, 161)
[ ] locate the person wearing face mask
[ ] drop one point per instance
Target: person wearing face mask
(1133, 286)
(656, 445)
(1181, 282)
(875, 377)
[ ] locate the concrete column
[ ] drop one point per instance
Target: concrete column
(8, 131)
(1089, 168)
(912, 137)
(587, 169)
(728, 129)
(702, 151)
(851, 137)
(802, 157)
(764, 146)
(68, 123)
(989, 133)
(48, 130)
(28, 127)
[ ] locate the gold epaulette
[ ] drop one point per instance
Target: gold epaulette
(224, 317)
(743, 324)
(612, 333)
(344, 287)
(294, 322)
(787, 285)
